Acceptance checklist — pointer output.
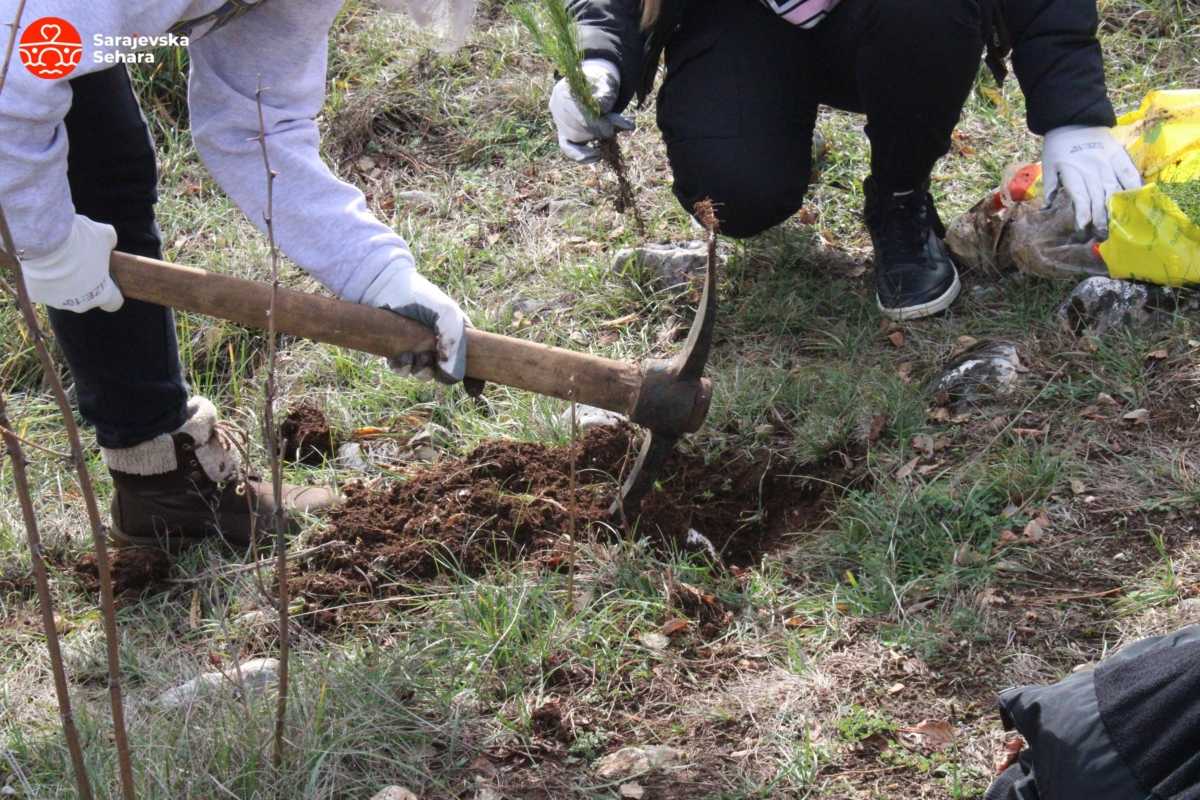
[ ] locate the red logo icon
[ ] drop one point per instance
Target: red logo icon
(51, 48)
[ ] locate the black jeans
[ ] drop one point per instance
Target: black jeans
(125, 364)
(739, 102)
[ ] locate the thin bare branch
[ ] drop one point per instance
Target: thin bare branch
(271, 434)
(107, 607)
(21, 482)
(6, 431)
(14, 26)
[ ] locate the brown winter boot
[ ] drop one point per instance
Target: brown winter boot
(180, 488)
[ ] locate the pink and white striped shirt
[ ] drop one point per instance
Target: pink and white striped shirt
(805, 13)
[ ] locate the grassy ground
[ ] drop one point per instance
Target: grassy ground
(905, 603)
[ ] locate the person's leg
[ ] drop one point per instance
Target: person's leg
(737, 111)
(913, 63)
(126, 363)
(176, 475)
(909, 65)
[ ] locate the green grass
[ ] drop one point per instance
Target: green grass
(907, 580)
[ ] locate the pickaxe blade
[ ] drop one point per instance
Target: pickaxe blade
(674, 399)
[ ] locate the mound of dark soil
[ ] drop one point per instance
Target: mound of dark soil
(134, 570)
(306, 437)
(511, 500)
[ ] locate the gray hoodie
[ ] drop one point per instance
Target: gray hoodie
(321, 222)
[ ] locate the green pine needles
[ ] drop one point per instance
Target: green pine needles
(556, 35)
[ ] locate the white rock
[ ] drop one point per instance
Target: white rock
(637, 761)
(350, 456)
(588, 417)
(654, 640)
(417, 198)
(989, 369)
(394, 793)
(673, 264)
(1098, 305)
(256, 675)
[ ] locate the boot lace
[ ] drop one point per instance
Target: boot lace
(906, 227)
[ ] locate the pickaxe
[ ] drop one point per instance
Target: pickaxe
(667, 397)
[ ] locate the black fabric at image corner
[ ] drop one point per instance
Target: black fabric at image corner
(1151, 707)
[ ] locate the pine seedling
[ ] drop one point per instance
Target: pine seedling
(556, 35)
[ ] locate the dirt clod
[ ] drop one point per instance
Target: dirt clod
(512, 500)
(306, 436)
(134, 570)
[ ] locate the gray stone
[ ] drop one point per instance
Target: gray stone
(255, 676)
(1098, 305)
(987, 370)
(350, 456)
(672, 264)
(417, 199)
(631, 761)
(588, 417)
(394, 793)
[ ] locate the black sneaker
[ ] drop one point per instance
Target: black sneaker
(914, 276)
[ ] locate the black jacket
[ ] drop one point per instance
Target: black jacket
(1127, 730)
(1053, 44)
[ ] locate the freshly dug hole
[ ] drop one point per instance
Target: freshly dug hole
(512, 500)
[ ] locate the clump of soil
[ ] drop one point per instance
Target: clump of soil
(512, 500)
(306, 437)
(134, 570)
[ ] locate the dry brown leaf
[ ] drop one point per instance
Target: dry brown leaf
(896, 338)
(907, 469)
(1140, 416)
(939, 414)
(935, 734)
(904, 371)
(1078, 487)
(1010, 751)
(1036, 528)
(879, 424)
(673, 627)
(1158, 355)
(923, 443)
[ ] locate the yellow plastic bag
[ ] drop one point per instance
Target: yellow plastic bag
(1152, 237)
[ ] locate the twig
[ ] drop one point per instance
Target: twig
(571, 521)
(271, 434)
(14, 26)
(107, 607)
(7, 431)
(21, 482)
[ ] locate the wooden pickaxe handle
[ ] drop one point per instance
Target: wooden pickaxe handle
(522, 364)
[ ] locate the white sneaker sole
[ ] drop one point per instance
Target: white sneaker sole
(935, 306)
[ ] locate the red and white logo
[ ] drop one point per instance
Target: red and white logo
(51, 48)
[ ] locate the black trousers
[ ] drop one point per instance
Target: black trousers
(739, 102)
(125, 364)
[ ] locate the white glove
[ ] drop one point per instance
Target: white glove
(402, 290)
(75, 276)
(1092, 166)
(576, 127)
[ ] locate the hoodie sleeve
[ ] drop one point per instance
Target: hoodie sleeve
(34, 191)
(1058, 62)
(321, 222)
(611, 30)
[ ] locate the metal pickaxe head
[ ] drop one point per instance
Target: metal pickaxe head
(675, 395)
